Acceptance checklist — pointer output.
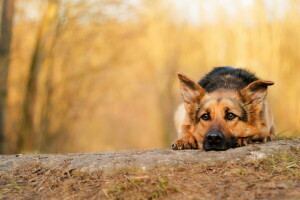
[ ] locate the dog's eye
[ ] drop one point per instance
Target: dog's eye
(230, 116)
(205, 117)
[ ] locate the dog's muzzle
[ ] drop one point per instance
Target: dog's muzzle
(215, 140)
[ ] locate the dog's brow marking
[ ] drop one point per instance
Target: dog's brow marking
(207, 110)
(226, 109)
(208, 101)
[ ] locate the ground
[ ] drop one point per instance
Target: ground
(268, 176)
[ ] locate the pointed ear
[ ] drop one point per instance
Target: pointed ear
(257, 90)
(191, 92)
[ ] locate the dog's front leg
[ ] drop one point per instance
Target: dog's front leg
(186, 141)
(267, 135)
(243, 141)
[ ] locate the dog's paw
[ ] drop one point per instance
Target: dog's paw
(271, 137)
(187, 142)
(243, 141)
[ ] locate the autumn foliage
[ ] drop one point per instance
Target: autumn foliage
(103, 73)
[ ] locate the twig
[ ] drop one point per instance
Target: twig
(105, 193)
(132, 182)
(139, 177)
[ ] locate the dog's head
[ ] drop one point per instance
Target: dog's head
(218, 118)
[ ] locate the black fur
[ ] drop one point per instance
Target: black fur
(227, 78)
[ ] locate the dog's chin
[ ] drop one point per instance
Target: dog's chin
(230, 143)
(215, 148)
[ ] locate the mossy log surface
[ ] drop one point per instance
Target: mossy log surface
(142, 160)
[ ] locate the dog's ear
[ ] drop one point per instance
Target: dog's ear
(257, 90)
(191, 92)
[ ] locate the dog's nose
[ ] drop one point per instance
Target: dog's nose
(215, 138)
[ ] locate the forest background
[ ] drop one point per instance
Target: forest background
(87, 75)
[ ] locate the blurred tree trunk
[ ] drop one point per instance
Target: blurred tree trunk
(27, 136)
(5, 40)
(44, 133)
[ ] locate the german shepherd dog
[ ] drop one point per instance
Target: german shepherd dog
(225, 109)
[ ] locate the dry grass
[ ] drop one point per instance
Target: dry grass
(276, 177)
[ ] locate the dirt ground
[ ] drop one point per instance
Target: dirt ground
(275, 177)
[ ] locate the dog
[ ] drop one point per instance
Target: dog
(227, 108)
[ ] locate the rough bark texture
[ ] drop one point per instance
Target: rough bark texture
(142, 160)
(5, 41)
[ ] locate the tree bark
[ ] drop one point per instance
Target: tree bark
(5, 43)
(27, 135)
